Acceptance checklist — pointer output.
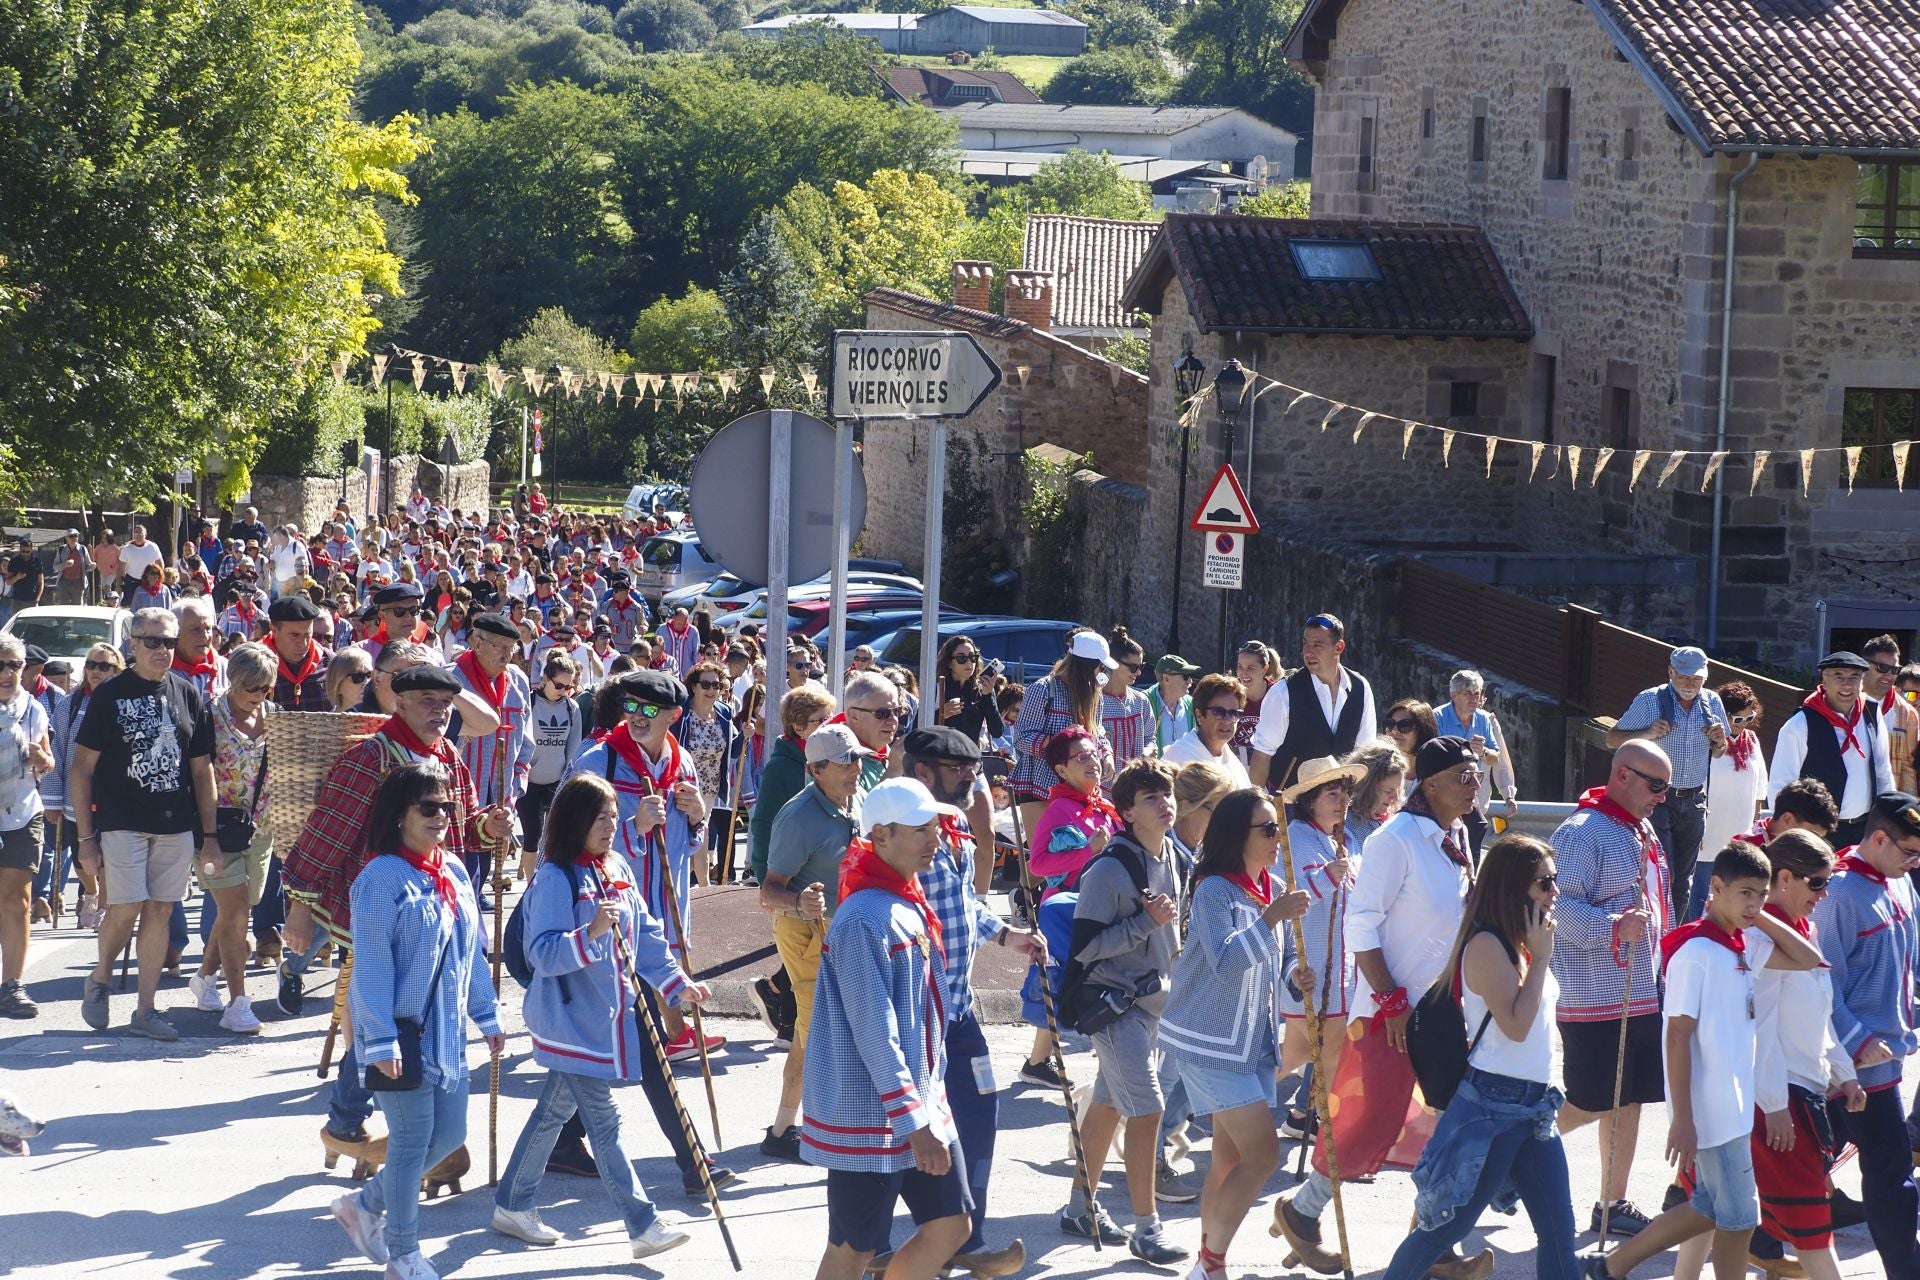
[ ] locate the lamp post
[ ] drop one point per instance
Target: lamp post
(1229, 389)
(1187, 372)
(554, 378)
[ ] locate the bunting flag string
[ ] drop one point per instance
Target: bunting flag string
(602, 385)
(1491, 442)
(1600, 462)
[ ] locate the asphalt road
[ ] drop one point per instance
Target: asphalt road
(202, 1159)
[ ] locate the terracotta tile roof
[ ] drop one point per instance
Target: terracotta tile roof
(1091, 260)
(931, 86)
(1241, 273)
(1838, 74)
(950, 315)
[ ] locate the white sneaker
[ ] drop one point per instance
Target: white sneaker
(658, 1238)
(411, 1266)
(206, 992)
(362, 1228)
(523, 1226)
(239, 1018)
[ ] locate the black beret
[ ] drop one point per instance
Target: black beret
(619, 580)
(495, 624)
(1441, 754)
(657, 687)
(1900, 809)
(35, 654)
(425, 676)
(941, 743)
(292, 609)
(398, 593)
(59, 667)
(1843, 660)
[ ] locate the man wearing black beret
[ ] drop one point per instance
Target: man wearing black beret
(1839, 738)
(301, 683)
(399, 611)
(500, 762)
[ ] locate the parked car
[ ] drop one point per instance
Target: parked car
(871, 627)
(809, 618)
(1026, 648)
(752, 606)
(861, 597)
(69, 630)
(669, 560)
(727, 595)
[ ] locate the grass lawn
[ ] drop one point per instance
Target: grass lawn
(1032, 68)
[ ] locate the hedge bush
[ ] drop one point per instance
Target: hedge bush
(307, 441)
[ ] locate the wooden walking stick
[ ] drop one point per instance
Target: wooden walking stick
(644, 1016)
(1066, 1089)
(339, 1014)
(1316, 1032)
(733, 810)
(500, 849)
(686, 960)
(1619, 1077)
(1320, 1084)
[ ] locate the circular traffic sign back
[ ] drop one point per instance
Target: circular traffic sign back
(728, 497)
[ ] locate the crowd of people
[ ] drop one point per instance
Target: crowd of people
(1247, 891)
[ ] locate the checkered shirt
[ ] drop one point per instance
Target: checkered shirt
(1606, 869)
(1686, 744)
(965, 921)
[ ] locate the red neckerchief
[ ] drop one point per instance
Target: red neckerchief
(1742, 748)
(1803, 926)
(1417, 805)
(622, 741)
(1816, 702)
(193, 670)
(1597, 798)
(952, 832)
(308, 665)
(39, 689)
(1090, 805)
(863, 868)
(442, 750)
(434, 866)
(1704, 927)
(1260, 890)
(1850, 861)
(492, 688)
(608, 882)
(1886, 703)
(680, 630)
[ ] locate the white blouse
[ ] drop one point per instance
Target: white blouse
(1793, 1038)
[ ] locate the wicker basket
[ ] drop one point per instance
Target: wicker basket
(303, 747)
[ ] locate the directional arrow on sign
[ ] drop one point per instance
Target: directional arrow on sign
(1224, 508)
(882, 373)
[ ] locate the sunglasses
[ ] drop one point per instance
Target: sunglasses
(709, 684)
(1884, 668)
(1402, 726)
(1470, 777)
(95, 665)
(1656, 785)
(1083, 757)
(1135, 667)
(1254, 647)
(1745, 718)
(11, 664)
(401, 611)
(884, 713)
(1816, 883)
(1547, 882)
(635, 707)
(359, 677)
(434, 808)
(968, 658)
(564, 689)
(159, 642)
(1220, 713)
(1267, 828)
(1324, 622)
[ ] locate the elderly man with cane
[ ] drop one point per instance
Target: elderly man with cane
(1403, 913)
(1614, 907)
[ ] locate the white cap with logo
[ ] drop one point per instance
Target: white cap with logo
(904, 802)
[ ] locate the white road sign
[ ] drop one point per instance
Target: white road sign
(908, 374)
(1226, 560)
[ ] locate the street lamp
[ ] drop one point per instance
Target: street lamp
(1187, 372)
(1229, 389)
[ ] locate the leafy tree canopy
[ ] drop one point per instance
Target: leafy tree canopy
(1282, 200)
(677, 334)
(1110, 77)
(819, 53)
(1234, 56)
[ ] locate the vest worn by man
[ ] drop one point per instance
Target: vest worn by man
(1823, 760)
(1309, 736)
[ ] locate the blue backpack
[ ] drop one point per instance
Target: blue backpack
(513, 948)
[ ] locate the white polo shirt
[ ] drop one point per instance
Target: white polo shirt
(1190, 750)
(1710, 983)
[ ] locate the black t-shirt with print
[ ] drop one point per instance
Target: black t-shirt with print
(145, 734)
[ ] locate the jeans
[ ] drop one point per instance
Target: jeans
(271, 911)
(1886, 1182)
(350, 1103)
(1680, 822)
(56, 858)
(976, 1113)
(177, 927)
(424, 1126)
(1515, 1153)
(564, 1095)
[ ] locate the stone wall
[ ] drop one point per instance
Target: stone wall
(1112, 570)
(308, 500)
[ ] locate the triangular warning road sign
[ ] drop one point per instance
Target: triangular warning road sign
(1225, 508)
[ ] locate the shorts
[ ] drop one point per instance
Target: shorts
(146, 868)
(1128, 1079)
(798, 942)
(1724, 1188)
(20, 848)
(248, 868)
(860, 1205)
(1590, 1050)
(1212, 1090)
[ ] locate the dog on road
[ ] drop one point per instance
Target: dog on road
(16, 1126)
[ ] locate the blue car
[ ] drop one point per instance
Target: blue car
(1026, 648)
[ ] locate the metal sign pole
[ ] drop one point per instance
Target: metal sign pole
(842, 543)
(779, 534)
(930, 575)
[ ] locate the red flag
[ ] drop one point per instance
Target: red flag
(1378, 1121)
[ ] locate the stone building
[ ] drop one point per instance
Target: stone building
(1051, 392)
(1620, 157)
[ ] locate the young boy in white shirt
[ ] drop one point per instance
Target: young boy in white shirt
(1709, 1018)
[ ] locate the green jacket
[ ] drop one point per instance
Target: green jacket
(781, 780)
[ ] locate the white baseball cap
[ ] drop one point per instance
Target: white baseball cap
(1091, 644)
(902, 800)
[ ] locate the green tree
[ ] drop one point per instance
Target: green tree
(587, 438)
(819, 53)
(900, 230)
(1282, 200)
(187, 228)
(675, 335)
(665, 25)
(523, 212)
(771, 308)
(1128, 26)
(1235, 57)
(1089, 185)
(1110, 77)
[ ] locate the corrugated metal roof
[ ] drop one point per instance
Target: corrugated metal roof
(1013, 17)
(854, 21)
(1044, 116)
(1091, 260)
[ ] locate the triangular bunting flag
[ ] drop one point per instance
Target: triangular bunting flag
(1853, 464)
(419, 373)
(1759, 469)
(339, 368)
(767, 376)
(1600, 462)
(461, 372)
(1533, 465)
(1333, 412)
(496, 379)
(1573, 466)
(1446, 445)
(1023, 372)
(1714, 463)
(379, 371)
(1900, 448)
(1672, 465)
(1406, 438)
(1113, 376)
(1299, 400)
(1493, 442)
(1806, 470)
(1361, 425)
(1640, 459)
(532, 379)
(809, 379)
(1073, 374)
(728, 379)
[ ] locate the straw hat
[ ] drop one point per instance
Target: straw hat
(1318, 773)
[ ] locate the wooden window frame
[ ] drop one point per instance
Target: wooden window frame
(1889, 211)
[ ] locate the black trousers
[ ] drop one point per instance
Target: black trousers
(1681, 823)
(1886, 1182)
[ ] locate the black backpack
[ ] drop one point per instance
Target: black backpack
(1085, 1006)
(1437, 1044)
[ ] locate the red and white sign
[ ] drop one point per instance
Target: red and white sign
(1224, 508)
